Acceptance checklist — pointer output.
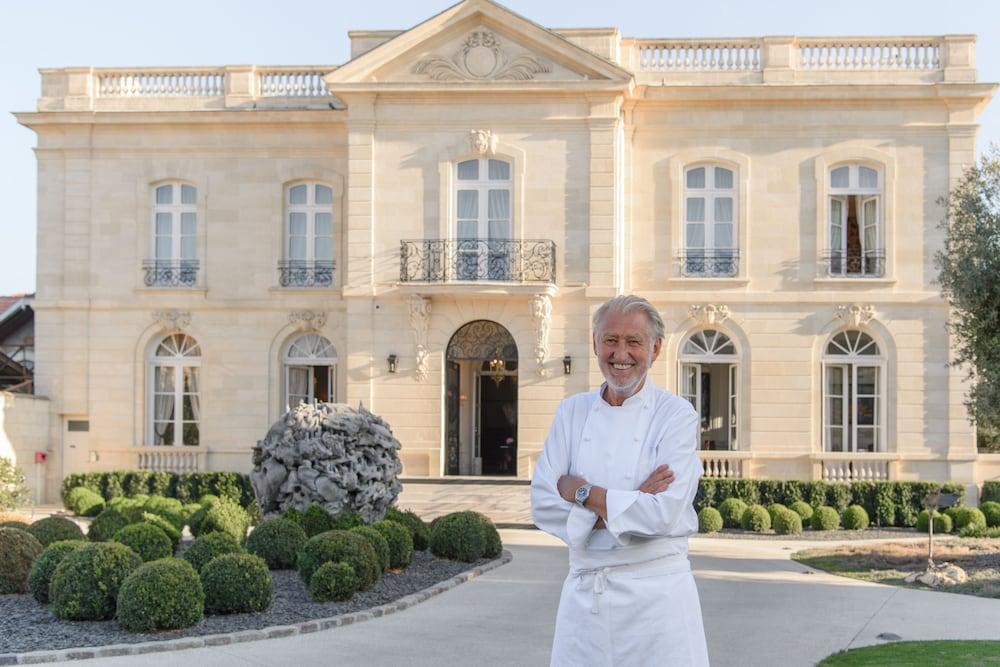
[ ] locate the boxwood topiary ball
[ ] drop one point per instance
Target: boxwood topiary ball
(18, 550)
(316, 520)
(85, 584)
(45, 566)
(84, 502)
(208, 547)
(340, 546)
(278, 542)
(773, 509)
(803, 509)
(162, 595)
(147, 540)
(756, 518)
(378, 542)
(491, 536)
(333, 582)
(825, 518)
(787, 522)
(20, 525)
(347, 520)
(53, 529)
(942, 522)
(991, 511)
(400, 542)
(969, 516)
(226, 517)
(166, 526)
(855, 518)
(458, 536)
(236, 584)
(170, 509)
(709, 520)
(732, 510)
(107, 523)
(419, 530)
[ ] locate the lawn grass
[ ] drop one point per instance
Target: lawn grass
(917, 654)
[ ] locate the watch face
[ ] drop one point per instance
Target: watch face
(582, 493)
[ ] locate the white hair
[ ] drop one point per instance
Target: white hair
(627, 303)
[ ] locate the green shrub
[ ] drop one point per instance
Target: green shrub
(379, 543)
(187, 511)
(278, 542)
(86, 582)
(816, 496)
(107, 523)
(161, 595)
(968, 516)
(787, 522)
(991, 491)
(18, 550)
(20, 525)
(208, 499)
(491, 536)
(163, 524)
(756, 518)
(316, 520)
(136, 482)
(209, 546)
(825, 518)
(773, 509)
(419, 530)
(237, 584)
(340, 546)
(863, 493)
(709, 520)
(942, 522)
(991, 512)
(459, 536)
(732, 510)
(226, 517)
(44, 567)
(803, 509)
(884, 504)
(293, 515)
(84, 502)
(855, 518)
(839, 496)
(13, 490)
(131, 507)
(170, 509)
(400, 542)
(147, 540)
(54, 529)
(771, 491)
(705, 495)
(907, 504)
(333, 582)
(347, 520)
(973, 530)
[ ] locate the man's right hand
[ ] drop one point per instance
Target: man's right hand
(658, 480)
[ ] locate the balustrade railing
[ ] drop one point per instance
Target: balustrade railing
(854, 263)
(849, 468)
(283, 82)
(294, 273)
(170, 459)
(507, 260)
(833, 53)
(687, 55)
(157, 83)
(163, 273)
(726, 465)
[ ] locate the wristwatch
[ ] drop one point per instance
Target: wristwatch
(582, 494)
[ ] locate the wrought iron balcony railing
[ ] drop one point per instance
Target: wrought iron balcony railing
(507, 260)
(167, 273)
(297, 273)
(854, 264)
(709, 263)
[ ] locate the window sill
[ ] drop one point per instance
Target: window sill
(876, 282)
(326, 291)
(709, 281)
(172, 290)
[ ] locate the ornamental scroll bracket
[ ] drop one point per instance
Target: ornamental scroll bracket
(855, 314)
(480, 58)
(176, 320)
(309, 321)
(541, 315)
(420, 314)
(709, 314)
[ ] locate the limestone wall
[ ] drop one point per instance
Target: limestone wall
(23, 431)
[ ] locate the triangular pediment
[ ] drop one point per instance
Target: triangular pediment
(476, 42)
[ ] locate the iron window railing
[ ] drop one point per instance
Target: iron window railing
(709, 263)
(854, 264)
(300, 273)
(506, 260)
(167, 273)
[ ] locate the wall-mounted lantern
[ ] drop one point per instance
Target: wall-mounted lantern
(391, 361)
(567, 365)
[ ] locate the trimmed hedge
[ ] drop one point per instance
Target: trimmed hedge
(378, 541)
(340, 546)
(773, 509)
(18, 550)
(162, 595)
(84, 502)
(825, 518)
(400, 542)
(237, 584)
(347, 520)
(45, 566)
(969, 516)
(991, 510)
(333, 582)
(855, 518)
(732, 510)
(278, 542)
(147, 540)
(419, 530)
(170, 509)
(709, 520)
(163, 524)
(55, 529)
(787, 522)
(107, 523)
(226, 517)
(803, 509)
(756, 518)
(991, 491)
(185, 487)
(85, 584)
(464, 536)
(316, 520)
(208, 547)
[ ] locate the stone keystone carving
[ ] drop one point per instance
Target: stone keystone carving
(307, 320)
(173, 319)
(481, 59)
(541, 314)
(709, 313)
(483, 142)
(856, 314)
(420, 315)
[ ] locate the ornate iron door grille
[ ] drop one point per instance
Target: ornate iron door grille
(504, 260)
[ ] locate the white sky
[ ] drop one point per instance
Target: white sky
(110, 33)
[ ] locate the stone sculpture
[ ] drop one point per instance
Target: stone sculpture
(342, 458)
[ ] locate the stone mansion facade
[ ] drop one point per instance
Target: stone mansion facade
(427, 229)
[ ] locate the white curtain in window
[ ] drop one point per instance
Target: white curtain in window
(836, 224)
(191, 387)
(870, 213)
(298, 382)
(695, 209)
(499, 214)
(468, 204)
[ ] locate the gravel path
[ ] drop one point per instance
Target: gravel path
(26, 625)
(809, 535)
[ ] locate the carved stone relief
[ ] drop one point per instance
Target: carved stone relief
(173, 319)
(481, 59)
(483, 142)
(307, 320)
(855, 314)
(709, 313)
(541, 314)
(420, 314)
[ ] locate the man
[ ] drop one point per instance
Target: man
(616, 482)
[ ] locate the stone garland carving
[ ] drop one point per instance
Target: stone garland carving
(481, 59)
(331, 454)
(483, 142)
(173, 319)
(709, 314)
(420, 314)
(308, 321)
(541, 314)
(855, 314)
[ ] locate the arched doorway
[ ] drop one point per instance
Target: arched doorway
(709, 378)
(481, 401)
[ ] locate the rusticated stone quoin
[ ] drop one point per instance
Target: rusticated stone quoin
(342, 458)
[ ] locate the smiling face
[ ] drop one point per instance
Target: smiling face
(625, 351)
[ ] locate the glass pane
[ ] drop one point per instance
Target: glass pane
(723, 178)
(298, 194)
(188, 195)
(164, 224)
(165, 194)
(468, 204)
(499, 170)
(191, 380)
(695, 209)
(188, 414)
(499, 229)
(297, 224)
(163, 248)
(324, 222)
(836, 443)
(723, 209)
(163, 433)
(189, 247)
(468, 170)
(695, 236)
(866, 440)
(696, 178)
(724, 235)
(868, 177)
(840, 177)
(188, 223)
(867, 380)
(835, 380)
(324, 249)
(498, 204)
(324, 195)
(163, 379)
(191, 435)
(866, 412)
(468, 229)
(836, 410)
(297, 248)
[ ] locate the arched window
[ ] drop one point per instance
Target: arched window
(709, 379)
(855, 238)
(710, 213)
(308, 235)
(310, 371)
(853, 376)
(175, 235)
(483, 219)
(174, 396)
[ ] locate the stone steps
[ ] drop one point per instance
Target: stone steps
(506, 504)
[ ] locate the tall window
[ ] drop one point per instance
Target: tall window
(855, 240)
(853, 372)
(709, 221)
(310, 371)
(709, 379)
(484, 197)
(175, 405)
(309, 239)
(175, 236)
